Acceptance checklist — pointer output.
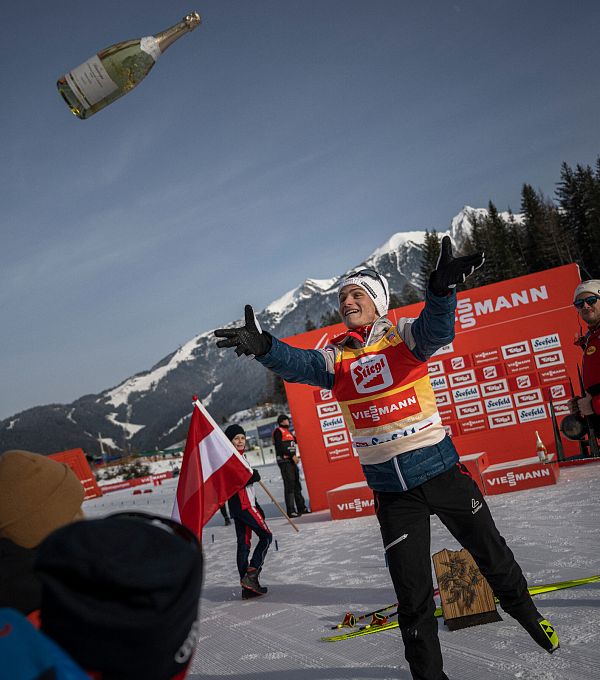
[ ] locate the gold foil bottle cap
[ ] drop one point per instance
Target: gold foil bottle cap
(192, 20)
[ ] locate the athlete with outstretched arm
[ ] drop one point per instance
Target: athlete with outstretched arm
(378, 374)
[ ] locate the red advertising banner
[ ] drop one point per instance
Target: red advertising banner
(76, 460)
(513, 352)
(137, 481)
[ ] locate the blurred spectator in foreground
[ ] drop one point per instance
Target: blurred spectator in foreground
(27, 654)
(121, 595)
(37, 495)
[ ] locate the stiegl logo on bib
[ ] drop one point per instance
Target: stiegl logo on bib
(371, 373)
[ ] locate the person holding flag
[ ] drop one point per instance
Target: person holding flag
(378, 374)
(213, 470)
(248, 518)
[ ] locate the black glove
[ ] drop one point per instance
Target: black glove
(452, 270)
(255, 477)
(249, 339)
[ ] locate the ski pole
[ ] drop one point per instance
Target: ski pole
(281, 510)
(560, 453)
(582, 446)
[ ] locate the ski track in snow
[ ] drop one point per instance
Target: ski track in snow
(333, 567)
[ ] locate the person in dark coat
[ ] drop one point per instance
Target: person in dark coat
(248, 518)
(287, 460)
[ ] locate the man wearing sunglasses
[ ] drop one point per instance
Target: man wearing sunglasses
(378, 374)
(586, 300)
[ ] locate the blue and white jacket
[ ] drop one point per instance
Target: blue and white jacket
(424, 335)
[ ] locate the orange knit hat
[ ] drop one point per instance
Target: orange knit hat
(37, 495)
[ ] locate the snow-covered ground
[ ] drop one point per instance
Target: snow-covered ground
(331, 567)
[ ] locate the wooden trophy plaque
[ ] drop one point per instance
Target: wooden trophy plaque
(467, 599)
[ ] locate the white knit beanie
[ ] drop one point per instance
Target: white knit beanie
(374, 285)
(592, 287)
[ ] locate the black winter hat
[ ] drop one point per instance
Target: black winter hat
(233, 430)
(120, 594)
(281, 418)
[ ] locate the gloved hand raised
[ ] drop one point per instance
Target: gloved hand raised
(248, 339)
(452, 270)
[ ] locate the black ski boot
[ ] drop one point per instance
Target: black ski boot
(248, 594)
(541, 631)
(250, 582)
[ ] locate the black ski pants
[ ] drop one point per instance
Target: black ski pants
(292, 489)
(246, 522)
(405, 527)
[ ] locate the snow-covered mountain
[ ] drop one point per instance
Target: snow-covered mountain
(151, 408)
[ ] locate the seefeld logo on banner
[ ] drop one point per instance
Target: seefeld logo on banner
(371, 373)
(545, 342)
(335, 423)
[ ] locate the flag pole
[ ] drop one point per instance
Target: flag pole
(560, 453)
(281, 510)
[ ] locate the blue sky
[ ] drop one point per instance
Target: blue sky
(281, 140)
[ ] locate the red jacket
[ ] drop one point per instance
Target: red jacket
(591, 366)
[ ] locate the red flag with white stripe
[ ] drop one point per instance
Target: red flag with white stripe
(211, 472)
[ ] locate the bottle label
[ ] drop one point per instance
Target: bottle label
(91, 82)
(150, 46)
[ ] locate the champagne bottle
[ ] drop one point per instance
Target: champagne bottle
(540, 448)
(117, 69)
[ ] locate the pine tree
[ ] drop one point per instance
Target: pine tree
(330, 318)
(476, 242)
(577, 194)
(546, 242)
(409, 295)
(309, 324)
(431, 252)
(594, 222)
(533, 229)
(276, 389)
(501, 253)
(395, 301)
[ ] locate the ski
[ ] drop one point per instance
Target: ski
(376, 627)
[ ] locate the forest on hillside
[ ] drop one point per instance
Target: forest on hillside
(548, 232)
